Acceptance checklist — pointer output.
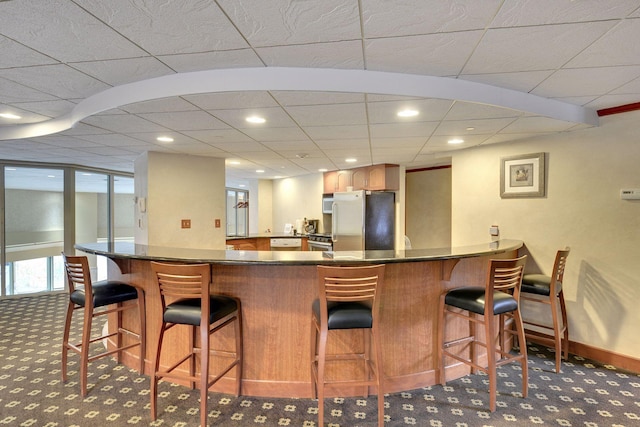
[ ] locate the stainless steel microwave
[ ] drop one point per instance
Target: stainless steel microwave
(327, 204)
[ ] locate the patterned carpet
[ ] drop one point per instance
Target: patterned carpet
(32, 394)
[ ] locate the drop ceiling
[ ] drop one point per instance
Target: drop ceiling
(59, 57)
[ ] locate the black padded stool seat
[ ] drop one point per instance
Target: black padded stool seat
(348, 299)
(543, 289)
(185, 297)
(105, 293)
(538, 284)
(471, 298)
(345, 315)
(480, 305)
(188, 311)
(88, 296)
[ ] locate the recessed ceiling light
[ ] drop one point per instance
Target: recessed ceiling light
(408, 113)
(322, 170)
(255, 119)
(164, 139)
(302, 155)
(10, 116)
(241, 186)
(260, 170)
(470, 128)
(456, 141)
(351, 160)
(234, 162)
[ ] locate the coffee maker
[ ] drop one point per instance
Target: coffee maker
(311, 226)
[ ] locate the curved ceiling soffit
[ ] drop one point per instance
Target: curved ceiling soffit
(304, 79)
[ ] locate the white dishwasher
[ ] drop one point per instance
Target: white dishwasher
(286, 244)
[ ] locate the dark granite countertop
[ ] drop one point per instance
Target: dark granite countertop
(158, 253)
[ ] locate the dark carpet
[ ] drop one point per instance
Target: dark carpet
(586, 393)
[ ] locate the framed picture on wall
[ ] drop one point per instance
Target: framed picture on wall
(522, 176)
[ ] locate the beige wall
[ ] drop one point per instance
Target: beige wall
(180, 187)
(428, 208)
(296, 198)
(582, 209)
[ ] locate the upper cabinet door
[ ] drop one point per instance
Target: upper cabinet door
(376, 178)
(337, 181)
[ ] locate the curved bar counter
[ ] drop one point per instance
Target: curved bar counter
(276, 290)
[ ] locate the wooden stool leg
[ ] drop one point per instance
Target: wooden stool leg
(154, 377)
(517, 317)
(238, 331)
(440, 374)
(84, 350)
(143, 330)
(322, 350)
(565, 325)
(490, 337)
(379, 373)
(204, 373)
(314, 355)
(65, 339)
(557, 338)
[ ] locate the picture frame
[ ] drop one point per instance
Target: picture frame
(523, 176)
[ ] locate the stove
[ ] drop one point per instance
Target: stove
(320, 242)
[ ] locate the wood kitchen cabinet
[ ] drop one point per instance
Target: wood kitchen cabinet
(337, 181)
(376, 177)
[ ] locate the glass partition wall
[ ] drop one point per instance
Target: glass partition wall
(46, 211)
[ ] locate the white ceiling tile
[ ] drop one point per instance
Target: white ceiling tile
(163, 105)
(232, 100)
(602, 53)
(527, 48)
(633, 87)
(58, 80)
(590, 81)
(429, 109)
(321, 115)
(240, 147)
(275, 134)
(14, 54)
(274, 116)
(63, 30)
(47, 108)
(469, 111)
(405, 17)
(345, 54)
(169, 26)
(198, 150)
(480, 126)
(609, 101)
(238, 58)
(15, 92)
(121, 71)
(328, 132)
(294, 22)
(113, 140)
(523, 81)
(123, 123)
(390, 130)
(290, 98)
(25, 116)
(295, 147)
(330, 145)
(185, 120)
(401, 143)
(441, 143)
(539, 12)
(218, 135)
(511, 137)
(433, 54)
(536, 124)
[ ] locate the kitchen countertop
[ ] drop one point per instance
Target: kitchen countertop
(268, 236)
(145, 252)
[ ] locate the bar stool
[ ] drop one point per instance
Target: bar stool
(499, 297)
(348, 299)
(539, 288)
(89, 296)
(185, 298)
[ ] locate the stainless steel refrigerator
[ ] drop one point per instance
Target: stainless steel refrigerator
(362, 221)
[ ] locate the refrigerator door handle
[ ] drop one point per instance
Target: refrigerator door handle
(334, 221)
